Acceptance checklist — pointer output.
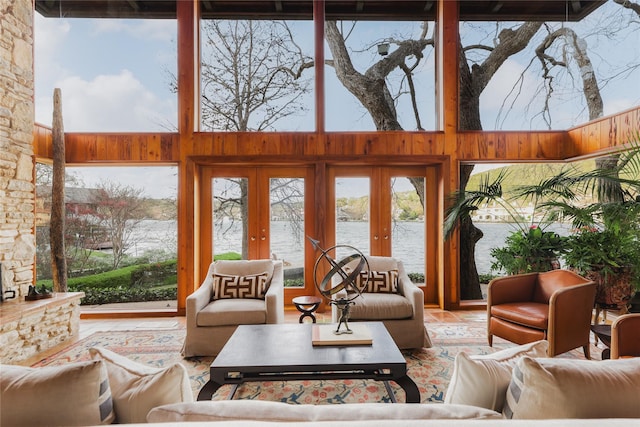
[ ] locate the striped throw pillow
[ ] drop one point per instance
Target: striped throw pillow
(230, 286)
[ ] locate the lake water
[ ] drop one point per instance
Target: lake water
(407, 243)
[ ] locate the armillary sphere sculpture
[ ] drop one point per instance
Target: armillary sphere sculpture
(347, 281)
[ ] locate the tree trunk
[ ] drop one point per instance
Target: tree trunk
(57, 228)
(469, 235)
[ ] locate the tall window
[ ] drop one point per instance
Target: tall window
(120, 235)
(256, 75)
(115, 75)
(379, 96)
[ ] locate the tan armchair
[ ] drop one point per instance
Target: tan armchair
(625, 336)
(402, 313)
(210, 323)
(556, 306)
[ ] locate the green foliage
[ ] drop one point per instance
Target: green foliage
(156, 281)
(416, 277)
(150, 275)
(486, 278)
(123, 295)
(613, 247)
(530, 251)
(292, 283)
(234, 256)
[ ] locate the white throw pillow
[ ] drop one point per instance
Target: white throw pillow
(482, 380)
(75, 394)
(566, 388)
(138, 388)
(280, 412)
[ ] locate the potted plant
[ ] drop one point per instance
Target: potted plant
(603, 207)
(535, 250)
(531, 246)
(607, 251)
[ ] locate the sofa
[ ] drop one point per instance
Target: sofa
(517, 386)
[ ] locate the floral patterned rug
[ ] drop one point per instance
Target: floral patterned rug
(430, 368)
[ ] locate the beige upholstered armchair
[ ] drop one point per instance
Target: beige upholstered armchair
(229, 299)
(402, 311)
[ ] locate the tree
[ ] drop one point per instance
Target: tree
(251, 75)
(119, 210)
(252, 79)
(478, 64)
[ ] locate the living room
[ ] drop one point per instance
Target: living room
(320, 156)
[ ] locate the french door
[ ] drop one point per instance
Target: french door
(384, 211)
(257, 213)
(268, 212)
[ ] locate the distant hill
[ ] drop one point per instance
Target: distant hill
(525, 173)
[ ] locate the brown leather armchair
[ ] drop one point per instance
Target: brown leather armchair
(625, 336)
(556, 306)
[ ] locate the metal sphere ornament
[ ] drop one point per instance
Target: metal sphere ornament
(347, 280)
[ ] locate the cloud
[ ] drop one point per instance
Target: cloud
(50, 36)
(108, 103)
(157, 30)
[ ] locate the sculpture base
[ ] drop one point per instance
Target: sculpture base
(323, 334)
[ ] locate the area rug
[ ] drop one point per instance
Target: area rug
(430, 368)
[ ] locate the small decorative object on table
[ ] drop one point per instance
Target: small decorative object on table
(307, 305)
(347, 281)
(35, 294)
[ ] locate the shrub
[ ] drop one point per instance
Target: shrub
(123, 295)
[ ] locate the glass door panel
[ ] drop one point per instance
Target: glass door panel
(287, 227)
(352, 214)
(259, 213)
(230, 217)
(408, 225)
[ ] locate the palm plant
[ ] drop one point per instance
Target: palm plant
(530, 247)
(602, 205)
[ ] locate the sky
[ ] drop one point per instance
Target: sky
(115, 75)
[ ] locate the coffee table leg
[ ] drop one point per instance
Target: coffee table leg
(410, 389)
(206, 392)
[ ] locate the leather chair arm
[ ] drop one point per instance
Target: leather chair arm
(570, 311)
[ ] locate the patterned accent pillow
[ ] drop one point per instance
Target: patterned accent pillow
(379, 281)
(230, 286)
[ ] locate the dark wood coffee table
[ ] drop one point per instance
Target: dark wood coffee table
(284, 352)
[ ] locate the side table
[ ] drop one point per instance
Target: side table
(307, 305)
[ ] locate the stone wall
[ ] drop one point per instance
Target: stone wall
(17, 189)
(29, 328)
